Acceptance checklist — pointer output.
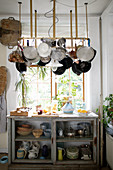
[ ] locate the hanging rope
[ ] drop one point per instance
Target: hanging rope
(50, 16)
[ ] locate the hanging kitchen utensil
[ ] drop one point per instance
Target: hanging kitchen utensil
(85, 53)
(67, 62)
(44, 50)
(61, 42)
(40, 63)
(84, 66)
(75, 69)
(58, 54)
(60, 70)
(31, 54)
(45, 59)
(50, 42)
(21, 67)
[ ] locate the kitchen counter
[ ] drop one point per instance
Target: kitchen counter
(59, 115)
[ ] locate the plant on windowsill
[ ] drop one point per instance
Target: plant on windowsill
(23, 86)
(107, 110)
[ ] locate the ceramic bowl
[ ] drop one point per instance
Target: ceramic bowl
(47, 133)
(37, 132)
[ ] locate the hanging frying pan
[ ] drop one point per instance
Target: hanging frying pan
(75, 69)
(85, 53)
(84, 66)
(21, 67)
(67, 62)
(60, 70)
(40, 63)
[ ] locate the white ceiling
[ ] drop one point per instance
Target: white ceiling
(95, 7)
(11, 8)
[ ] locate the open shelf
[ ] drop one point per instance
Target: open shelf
(73, 139)
(78, 161)
(31, 138)
(36, 160)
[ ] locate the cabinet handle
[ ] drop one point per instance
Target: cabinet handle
(95, 141)
(52, 140)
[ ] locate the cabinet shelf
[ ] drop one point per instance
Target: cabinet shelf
(75, 139)
(67, 161)
(31, 138)
(32, 161)
(37, 160)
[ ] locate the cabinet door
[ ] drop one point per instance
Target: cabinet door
(76, 145)
(109, 150)
(29, 147)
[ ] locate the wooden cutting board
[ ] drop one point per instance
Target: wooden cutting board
(15, 113)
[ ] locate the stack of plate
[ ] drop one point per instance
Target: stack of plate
(72, 152)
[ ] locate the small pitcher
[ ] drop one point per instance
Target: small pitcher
(60, 132)
(60, 153)
(21, 153)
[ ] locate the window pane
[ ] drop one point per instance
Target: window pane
(70, 87)
(39, 89)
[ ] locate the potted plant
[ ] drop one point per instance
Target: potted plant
(23, 86)
(108, 110)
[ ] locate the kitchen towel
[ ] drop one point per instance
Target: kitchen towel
(3, 113)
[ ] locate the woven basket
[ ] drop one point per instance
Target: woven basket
(3, 79)
(10, 39)
(10, 32)
(24, 129)
(23, 133)
(10, 24)
(37, 132)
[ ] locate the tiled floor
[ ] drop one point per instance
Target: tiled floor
(5, 167)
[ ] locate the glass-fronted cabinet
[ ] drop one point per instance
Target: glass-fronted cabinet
(53, 140)
(76, 141)
(31, 141)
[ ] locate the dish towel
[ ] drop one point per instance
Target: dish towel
(3, 113)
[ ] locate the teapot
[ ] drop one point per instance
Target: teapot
(60, 153)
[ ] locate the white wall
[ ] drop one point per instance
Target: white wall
(93, 92)
(3, 62)
(11, 94)
(107, 34)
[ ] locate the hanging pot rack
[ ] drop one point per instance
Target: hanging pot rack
(54, 24)
(72, 54)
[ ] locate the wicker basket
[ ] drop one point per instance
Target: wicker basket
(10, 32)
(37, 132)
(3, 79)
(24, 129)
(23, 133)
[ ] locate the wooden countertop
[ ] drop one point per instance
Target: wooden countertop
(59, 115)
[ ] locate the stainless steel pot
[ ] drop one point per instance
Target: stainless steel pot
(85, 53)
